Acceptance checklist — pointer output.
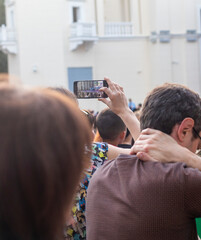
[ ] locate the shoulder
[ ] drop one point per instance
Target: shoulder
(192, 176)
(112, 168)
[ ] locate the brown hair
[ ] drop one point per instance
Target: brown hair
(4, 78)
(65, 92)
(168, 105)
(45, 143)
(109, 125)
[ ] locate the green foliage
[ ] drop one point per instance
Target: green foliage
(3, 57)
(198, 223)
(2, 12)
(3, 63)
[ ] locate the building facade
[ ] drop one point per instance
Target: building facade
(138, 43)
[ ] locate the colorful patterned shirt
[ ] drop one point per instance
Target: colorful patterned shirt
(77, 229)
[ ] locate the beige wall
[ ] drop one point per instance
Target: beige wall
(139, 65)
(113, 10)
(135, 63)
(40, 41)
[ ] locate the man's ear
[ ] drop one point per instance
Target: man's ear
(184, 130)
(122, 135)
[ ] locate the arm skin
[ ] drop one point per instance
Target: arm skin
(157, 146)
(113, 151)
(117, 102)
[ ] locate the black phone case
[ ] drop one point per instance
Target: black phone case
(86, 94)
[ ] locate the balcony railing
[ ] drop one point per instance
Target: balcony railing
(6, 34)
(9, 2)
(7, 40)
(83, 30)
(81, 33)
(86, 32)
(119, 29)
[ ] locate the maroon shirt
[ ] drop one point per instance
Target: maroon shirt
(130, 199)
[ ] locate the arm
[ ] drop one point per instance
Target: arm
(117, 102)
(113, 151)
(157, 146)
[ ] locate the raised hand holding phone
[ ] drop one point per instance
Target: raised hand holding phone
(117, 102)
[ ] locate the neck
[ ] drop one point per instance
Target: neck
(112, 142)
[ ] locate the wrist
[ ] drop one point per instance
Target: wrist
(193, 160)
(182, 154)
(125, 113)
(188, 157)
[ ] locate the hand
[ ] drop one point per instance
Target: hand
(153, 145)
(116, 100)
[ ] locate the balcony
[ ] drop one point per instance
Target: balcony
(81, 33)
(9, 2)
(8, 43)
(119, 29)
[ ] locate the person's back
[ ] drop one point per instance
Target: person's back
(130, 199)
(143, 200)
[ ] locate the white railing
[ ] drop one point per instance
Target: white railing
(8, 42)
(9, 2)
(119, 29)
(83, 30)
(7, 35)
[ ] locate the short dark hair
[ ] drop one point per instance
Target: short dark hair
(168, 105)
(109, 125)
(43, 137)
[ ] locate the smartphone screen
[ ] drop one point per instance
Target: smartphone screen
(90, 89)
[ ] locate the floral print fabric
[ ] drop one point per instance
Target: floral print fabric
(76, 230)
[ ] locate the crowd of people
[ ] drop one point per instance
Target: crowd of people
(65, 174)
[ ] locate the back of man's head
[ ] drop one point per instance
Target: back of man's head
(168, 105)
(110, 126)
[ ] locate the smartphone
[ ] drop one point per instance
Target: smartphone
(90, 89)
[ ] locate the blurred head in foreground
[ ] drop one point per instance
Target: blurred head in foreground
(66, 93)
(45, 142)
(4, 78)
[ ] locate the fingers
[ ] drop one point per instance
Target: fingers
(110, 83)
(150, 136)
(118, 88)
(145, 157)
(138, 148)
(113, 86)
(104, 100)
(143, 144)
(116, 100)
(112, 91)
(140, 152)
(121, 88)
(106, 90)
(149, 131)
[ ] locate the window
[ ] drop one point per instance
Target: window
(76, 14)
(12, 25)
(76, 11)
